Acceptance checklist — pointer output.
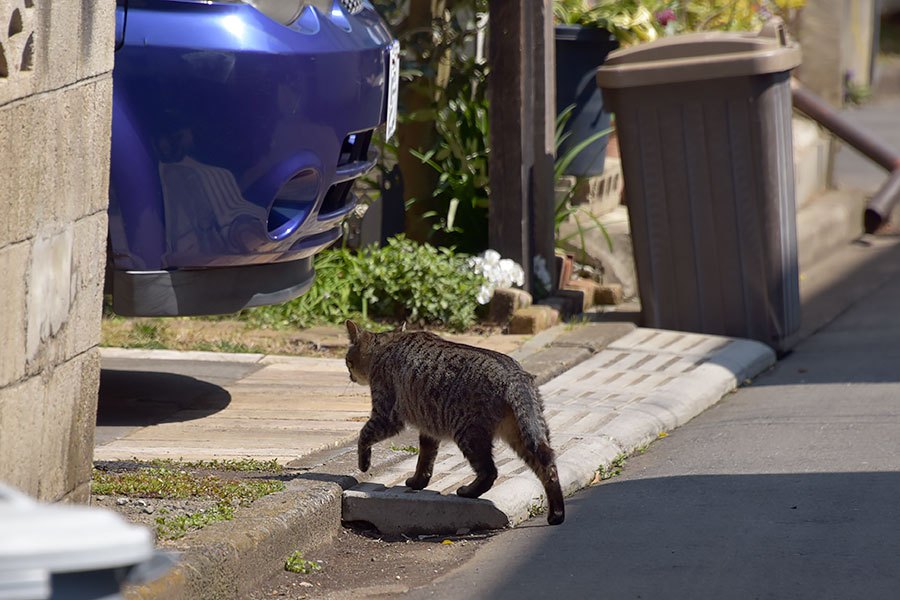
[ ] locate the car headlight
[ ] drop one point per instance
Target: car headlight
(288, 11)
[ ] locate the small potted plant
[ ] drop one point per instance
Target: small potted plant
(585, 33)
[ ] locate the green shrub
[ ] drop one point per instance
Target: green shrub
(402, 281)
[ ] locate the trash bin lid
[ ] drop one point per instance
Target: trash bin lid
(65, 538)
(700, 56)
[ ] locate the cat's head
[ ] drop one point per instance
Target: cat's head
(359, 354)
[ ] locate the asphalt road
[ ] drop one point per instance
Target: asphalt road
(789, 488)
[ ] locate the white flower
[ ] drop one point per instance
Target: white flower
(484, 294)
(498, 272)
(491, 257)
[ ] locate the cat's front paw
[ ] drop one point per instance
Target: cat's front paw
(365, 459)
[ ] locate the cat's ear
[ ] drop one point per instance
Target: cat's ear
(353, 331)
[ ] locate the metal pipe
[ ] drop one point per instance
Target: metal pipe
(822, 112)
(879, 206)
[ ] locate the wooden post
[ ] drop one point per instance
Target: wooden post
(522, 114)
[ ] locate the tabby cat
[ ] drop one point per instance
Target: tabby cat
(452, 391)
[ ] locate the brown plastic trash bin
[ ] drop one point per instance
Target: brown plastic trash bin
(704, 127)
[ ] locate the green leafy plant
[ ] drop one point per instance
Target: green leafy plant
(615, 468)
(169, 479)
(538, 508)
(404, 280)
(460, 158)
(584, 220)
(681, 16)
(295, 563)
(246, 465)
(636, 21)
(147, 334)
(178, 526)
(442, 136)
(410, 449)
(162, 482)
(629, 20)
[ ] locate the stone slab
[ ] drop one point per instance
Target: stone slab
(401, 510)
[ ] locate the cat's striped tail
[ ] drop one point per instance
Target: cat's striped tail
(531, 441)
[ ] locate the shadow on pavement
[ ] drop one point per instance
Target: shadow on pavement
(815, 535)
(140, 398)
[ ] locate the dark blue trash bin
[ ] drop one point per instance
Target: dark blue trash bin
(579, 51)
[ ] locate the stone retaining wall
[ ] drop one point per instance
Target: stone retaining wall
(56, 60)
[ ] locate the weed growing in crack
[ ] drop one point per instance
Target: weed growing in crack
(168, 479)
(295, 563)
(410, 449)
(176, 527)
(538, 508)
(615, 468)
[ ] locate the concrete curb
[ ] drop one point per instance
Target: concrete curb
(226, 559)
(229, 559)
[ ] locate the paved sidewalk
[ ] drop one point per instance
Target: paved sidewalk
(212, 405)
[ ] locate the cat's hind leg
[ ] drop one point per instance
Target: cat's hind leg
(477, 446)
(428, 448)
(542, 462)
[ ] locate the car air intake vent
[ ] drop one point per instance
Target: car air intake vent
(353, 162)
(354, 148)
(335, 200)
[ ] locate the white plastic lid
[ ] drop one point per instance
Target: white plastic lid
(64, 538)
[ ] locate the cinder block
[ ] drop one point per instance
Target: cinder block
(54, 158)
(21, 428)
(96, 37)
(49, 288)
(609, 293)
(533, 319)
(82, 331)
(588, 287)
(13, 260)
(579, 298)
(505, 302)
(19, 166)
(67, 439)
(567, 302)
(598, 195)
(54, 44)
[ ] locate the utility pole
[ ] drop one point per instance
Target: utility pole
(522, 91)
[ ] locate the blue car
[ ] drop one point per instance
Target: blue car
(238, 130)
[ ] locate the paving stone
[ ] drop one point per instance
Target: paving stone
(505, 302)
(533, 319)
(609, 293)
(594, 336)
(589, 287)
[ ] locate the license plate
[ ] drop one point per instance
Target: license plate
(393, 89)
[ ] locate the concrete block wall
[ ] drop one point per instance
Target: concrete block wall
(836, 38)
(56, 60)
